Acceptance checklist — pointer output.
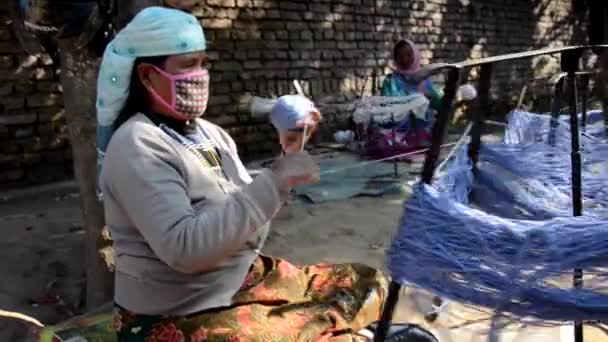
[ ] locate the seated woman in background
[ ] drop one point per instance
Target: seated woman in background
(406, 57)
(187, 220)
(412, 132)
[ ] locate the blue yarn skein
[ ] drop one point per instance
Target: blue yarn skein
(503, 237)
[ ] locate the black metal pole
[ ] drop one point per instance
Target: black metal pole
(483, 107)
(427, 177)
(556, 106)
(440, 125)
(570, 63)
(388, 311)
(584, 93)
(601, 85)
(374, 83)
(395, 150)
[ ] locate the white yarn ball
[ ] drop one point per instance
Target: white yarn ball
(467, 92)
(344, 137)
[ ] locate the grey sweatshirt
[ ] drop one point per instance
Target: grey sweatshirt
(184, 238)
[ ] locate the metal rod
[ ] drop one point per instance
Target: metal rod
(556, 105)
(427, 176)
(440, 125)
(395, 165)
(528, 54)
(483, 104)
(387, 314)
(570, 61)
(437, 68)
(584, 93)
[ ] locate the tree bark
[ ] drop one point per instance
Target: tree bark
(79, 77)
(128, 8)
(79, 69)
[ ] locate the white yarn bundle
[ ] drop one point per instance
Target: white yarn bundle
(467, 92)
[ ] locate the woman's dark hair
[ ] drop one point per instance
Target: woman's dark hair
(400, 44)
(137, 101)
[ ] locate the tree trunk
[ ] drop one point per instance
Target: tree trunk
(79, 78)
(79, 69)
(128, 8)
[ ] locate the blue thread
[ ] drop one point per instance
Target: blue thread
(501, 247)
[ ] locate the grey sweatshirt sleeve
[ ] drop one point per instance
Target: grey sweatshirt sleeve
(144, 179)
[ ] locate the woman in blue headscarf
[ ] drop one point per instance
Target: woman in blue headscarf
(187, 220)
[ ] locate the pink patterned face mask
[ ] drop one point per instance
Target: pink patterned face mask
(189, 93)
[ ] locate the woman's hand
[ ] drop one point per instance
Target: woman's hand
(296, 169)
(311, 124)
(293, 142)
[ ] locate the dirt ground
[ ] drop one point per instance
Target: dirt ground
(41, 250)
(41, 254)
(42, 271)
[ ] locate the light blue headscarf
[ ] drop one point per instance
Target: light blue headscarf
(155, 31)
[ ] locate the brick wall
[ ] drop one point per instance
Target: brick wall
(258, 47)
(33, 143)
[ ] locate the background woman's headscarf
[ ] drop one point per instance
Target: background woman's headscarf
(155, 31)
(415, 65)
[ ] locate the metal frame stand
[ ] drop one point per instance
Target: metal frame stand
(556, 105)
(601, 84)
(569, 62)
(432, 155)
(570, 59)
(483, 107)
(584, 100)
